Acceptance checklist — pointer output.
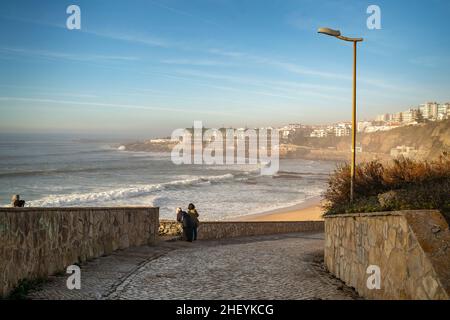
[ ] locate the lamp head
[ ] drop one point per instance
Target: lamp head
(329, 32)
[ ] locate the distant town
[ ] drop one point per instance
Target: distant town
(430, 111)
(329, 141)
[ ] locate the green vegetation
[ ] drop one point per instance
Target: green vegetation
(402, 184)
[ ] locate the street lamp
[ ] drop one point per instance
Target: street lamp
(337, 34)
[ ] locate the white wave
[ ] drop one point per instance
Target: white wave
(121, 193)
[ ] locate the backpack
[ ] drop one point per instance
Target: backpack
(187, 220)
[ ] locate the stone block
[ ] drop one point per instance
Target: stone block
(42, 241)
(410, 247)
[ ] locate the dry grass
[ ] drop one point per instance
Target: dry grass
(412, 185)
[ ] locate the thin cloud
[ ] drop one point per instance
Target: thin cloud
(293, 68)
(226, 53)
(64, 55)
(426, 61)
(302, 70)
(184, 13)
(109, 105)
(268, 86)
(302, 22)
(139, 39)
(194, 62)
(134, 38)
(287, 66)
(163, 43)
(236, 55)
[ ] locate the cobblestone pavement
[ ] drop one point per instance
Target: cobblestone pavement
(265, 267)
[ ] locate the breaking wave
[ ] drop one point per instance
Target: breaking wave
(96, 198)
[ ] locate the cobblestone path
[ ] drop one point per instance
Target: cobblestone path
(265, 267)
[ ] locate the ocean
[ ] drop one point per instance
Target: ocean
(55, 171)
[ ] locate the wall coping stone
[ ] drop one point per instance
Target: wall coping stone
(377, 214)
(9, 209)
(243, 222)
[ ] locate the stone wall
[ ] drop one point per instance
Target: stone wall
(218, 230)
(170, 228)
(37, 242)
(412, 249)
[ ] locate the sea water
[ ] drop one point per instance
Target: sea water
(53, 171)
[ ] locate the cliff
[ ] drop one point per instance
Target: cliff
(428, 140)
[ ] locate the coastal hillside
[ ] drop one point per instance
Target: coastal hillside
(429, 139)
(422, 141)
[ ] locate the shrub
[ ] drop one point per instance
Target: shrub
(398, 185)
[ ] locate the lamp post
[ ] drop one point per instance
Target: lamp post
(337, 34)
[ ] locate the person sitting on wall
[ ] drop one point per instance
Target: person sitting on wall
(16, 202)
(188, 224)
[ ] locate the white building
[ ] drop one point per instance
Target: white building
(284, 133)
(293, 126)
(162, 140)
(443, 111)
(429, 110)
(404, 151)
(383, 117)
(362, 125)
(409, 116)
(397, 117)
(372, 129)
(342, 129)
(319, 133)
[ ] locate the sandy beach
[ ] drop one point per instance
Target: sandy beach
(310, 210)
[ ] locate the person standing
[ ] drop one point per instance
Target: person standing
(188, 224)
(194, 215)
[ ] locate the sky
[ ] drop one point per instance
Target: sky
(144, 68)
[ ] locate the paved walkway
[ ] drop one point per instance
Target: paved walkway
(265, 267)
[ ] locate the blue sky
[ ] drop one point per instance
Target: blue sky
(144, 68)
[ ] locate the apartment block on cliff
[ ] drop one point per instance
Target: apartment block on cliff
(410, 116)
(342, 129)
(383, 117)
(319, 133)
(443, 111)
(429, 110)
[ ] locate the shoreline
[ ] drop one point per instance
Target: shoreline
(310, 210)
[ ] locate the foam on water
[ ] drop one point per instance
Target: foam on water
(100, 197)
(68, 173)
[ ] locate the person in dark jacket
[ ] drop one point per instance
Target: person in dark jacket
(16, 202)
(188, 224)
(194, 215)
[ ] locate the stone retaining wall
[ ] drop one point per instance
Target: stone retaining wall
(218, 230)
(37, 242)
(411, 248)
